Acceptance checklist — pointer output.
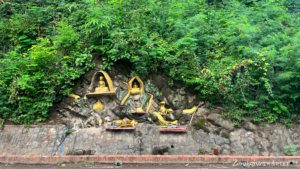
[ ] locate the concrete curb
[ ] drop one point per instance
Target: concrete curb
(150, 159)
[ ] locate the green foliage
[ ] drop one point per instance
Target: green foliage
(36, 71)
(201, 122)
(69, 150)
(202, 149)
(291, 150)
(69, 131)
(236, 115)
(239, 54)
(1, 122)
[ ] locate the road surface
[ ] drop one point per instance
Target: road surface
(134, 166)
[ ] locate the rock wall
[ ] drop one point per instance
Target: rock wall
(78, 115)
(88, 137)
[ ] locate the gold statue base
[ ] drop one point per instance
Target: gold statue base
(100, 93)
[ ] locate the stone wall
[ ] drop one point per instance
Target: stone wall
(37, 140)
(50, 140)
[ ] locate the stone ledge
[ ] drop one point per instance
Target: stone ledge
(131, 159)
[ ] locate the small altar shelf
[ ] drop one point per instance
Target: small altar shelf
(99, 94)
(119, 128)
(177, 129)
(137, 112)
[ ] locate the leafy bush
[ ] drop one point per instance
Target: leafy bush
(69, 150)
(239, 54)
(291, 150)
(1, 123)
(32, 80)
(202, 149)
(69, 131)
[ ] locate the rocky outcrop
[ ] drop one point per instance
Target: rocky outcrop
(78, 115)
(207, 124)
(216, 119)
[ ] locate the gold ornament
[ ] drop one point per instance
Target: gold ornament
(98, 106)
(190, 111)
(162, 120)
(76, 97)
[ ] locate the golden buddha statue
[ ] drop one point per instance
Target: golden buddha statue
(135, 89)
(162, 110)
(101, 86)
(98, 106)
(139, 109)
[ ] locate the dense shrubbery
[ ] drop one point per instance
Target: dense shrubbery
(243, 54)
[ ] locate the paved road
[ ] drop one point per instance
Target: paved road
(56, 167)
(133, 167)
(23, 167)
(92, 165)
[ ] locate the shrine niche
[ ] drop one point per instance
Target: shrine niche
(136, 88)
(103, 87)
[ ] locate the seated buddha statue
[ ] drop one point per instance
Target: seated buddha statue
(135, 89)
(101, 86)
